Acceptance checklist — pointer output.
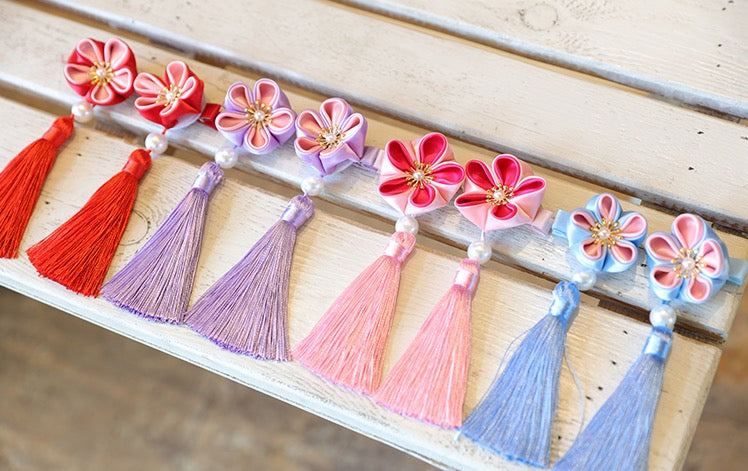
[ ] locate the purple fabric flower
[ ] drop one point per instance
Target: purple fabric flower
(259, 120)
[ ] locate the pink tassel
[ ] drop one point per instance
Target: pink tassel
(429, 380)
(347, 345)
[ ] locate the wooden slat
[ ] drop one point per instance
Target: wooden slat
(39, 76)
(693, 52)
(659, 152)
(601, 344)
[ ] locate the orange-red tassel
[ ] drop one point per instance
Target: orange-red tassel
(78, 253)
(21, 183)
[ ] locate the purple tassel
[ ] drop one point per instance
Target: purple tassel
(245, 311)
(157, 282)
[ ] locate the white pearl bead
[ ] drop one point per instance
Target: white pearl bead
(226, 157)
(479, 251)
(584, 279)
(407, 224)
(157, 143)
(662, 316)
(83, 111)
(313, 186)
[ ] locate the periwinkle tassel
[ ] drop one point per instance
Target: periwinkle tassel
(515, 418)
(619, 435)
(157, 282)
(245, 311)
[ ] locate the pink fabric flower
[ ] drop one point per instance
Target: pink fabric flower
(421, 175)
(690, 264)
(332, 139)
(103, 73)
(176, 101)
(500, 197)
(259, 120)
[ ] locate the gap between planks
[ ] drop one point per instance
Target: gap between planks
(354, 189)
(601, 344)
(548, 117)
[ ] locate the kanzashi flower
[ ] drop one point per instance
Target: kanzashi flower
(421, 175)
(103, 73)
(176, 101)
(258, 119)
(505, 195)
(332, 139)
(603, 237)
(690, 264)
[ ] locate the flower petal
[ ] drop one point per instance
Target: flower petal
(307, 146)
(661, 246)
(698, 289)
(624, 252)
(77, 74)
(471, 198)
(712, 258)
(309, 124)
(423, 196)
(351, 125)
(334, 111)
(665, 277)
(608, 207)
(507, 169)
(148, 85)
(478, 172)
(117, 53)
(592, 249)
(177, 73)
(231, 121)
(529, 185)
(688, 229)
(432, 148)
(239, 97)
(257, 138)
(282, 120)
(393, 186)
(583, 219)
(632, 226)
(101, 95)
(122, 81)
(504, 211)
(267, 91)
(448, 173)
(400, 155)
(91, 50)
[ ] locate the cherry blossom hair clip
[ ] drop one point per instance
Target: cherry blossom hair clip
(78, 253)
(689, 265)
(347, 345)
(515, 418)
(246, 310)
(103, 74)
(428, 382)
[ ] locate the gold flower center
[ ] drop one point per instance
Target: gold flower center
(100, 73)
(687, 264)
(330, 137)
(167, 96)
(606, 233)
(499, 195)
(419, 176)
(258, 114)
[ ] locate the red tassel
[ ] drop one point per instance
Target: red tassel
(78, 253)
(347, 345)
(428, 382)
(21, 183)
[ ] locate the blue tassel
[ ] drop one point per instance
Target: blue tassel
(515, 419)
(619, 435)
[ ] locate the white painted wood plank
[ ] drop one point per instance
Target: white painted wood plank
(601, 344)
(29, 69)
(659, 152)
(689, 51)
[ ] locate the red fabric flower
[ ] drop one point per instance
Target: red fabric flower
(103, 73)
(177, 101)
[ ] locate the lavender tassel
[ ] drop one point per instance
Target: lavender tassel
(245, 311)
(515, 419)
(619, 435)
(157, 282)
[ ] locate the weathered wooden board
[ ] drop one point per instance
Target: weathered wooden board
(601, 344)
(658, 152)
(37, 75)
(691, 51)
